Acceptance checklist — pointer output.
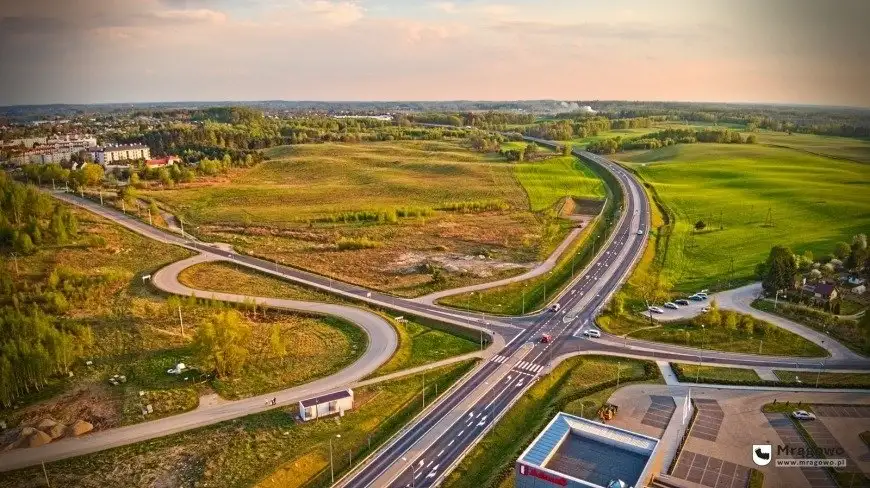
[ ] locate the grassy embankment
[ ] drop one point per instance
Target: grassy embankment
(692, 373)
(417, 209)
(269, 449)
(418, 343)
(137, 335)
(542, 182)
(577, 386)
(846, 331)
(711, 374)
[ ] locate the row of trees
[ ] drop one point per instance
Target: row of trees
(782, 267)
(669, 137)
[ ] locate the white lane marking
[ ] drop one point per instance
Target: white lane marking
(460, 433)
(451, 442)
(440, 453)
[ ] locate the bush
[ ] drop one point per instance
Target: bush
(354, 243)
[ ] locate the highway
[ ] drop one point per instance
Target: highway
(519, 356)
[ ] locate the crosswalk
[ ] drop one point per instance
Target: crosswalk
(522, 366)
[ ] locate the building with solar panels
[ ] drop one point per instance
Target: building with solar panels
(576, 452)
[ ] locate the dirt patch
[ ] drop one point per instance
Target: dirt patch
(93, 404)
(478, 266)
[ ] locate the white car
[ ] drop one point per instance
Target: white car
(592, 333)
(705, 309)
(702, 295)
(671, 305)
(803, 415)
(656, 310)
(640, 232)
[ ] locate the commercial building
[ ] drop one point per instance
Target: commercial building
(121, 152)
(325, 405)
(576, 452)
(44, 150)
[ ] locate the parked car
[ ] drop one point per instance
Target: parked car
(656, 310)
(671, 305)
(640, 232)
(555, 307)
(546, 338)
(697, 298)
(705, 309)
(682, 301)
(592, 333)
(702, 295)
(803, 415)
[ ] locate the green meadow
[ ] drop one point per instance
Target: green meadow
(750, 197)
(546, 182)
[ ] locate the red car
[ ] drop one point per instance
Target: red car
(546, 338)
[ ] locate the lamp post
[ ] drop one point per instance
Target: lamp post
(821, 368)
(525, 285)
(618, 370)
(698, 371)
(331, 470)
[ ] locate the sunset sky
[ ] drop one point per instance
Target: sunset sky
(88, 51)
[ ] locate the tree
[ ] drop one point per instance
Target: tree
(730, 320)
(700, 225)
(276, 342)
(566, 150)
(652, 288)
(842, 250)
(858, 252)
(747, 324)
(530, 150)
(780, 270)
(222, 343)
(23, 243)
(617, 304)
(92, 174)
(751, 139)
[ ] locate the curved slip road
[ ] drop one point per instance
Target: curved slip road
(382, 342)
(740, 300)
(538, 270)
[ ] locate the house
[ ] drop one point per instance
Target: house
(325, 405)
(162, 162)
(859, 290)
(825, 292)
(855, 281)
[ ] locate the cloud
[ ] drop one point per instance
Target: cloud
(336, 13)
(447, 7)
(187, 16)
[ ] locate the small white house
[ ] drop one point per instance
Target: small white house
(325, 405)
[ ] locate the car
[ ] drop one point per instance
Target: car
(682, 301)
(702, 295)
(546, 338)
(803, 415)
(705, 309)
(656, 309)
(640, 232)
(555, 307)
(698, 298)
(592, 333)
(671, 305)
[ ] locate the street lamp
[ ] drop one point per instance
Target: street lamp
(525, 285)
(821, 368)
(331, 470)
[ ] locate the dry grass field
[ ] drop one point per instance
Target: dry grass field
(407, 217)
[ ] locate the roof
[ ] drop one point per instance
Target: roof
(120, 147)
(824, 289)
(329, 397)
(162, 161)
(586, 450)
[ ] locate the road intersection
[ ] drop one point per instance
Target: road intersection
(425, 451)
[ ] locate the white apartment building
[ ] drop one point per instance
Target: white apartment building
(121, 152)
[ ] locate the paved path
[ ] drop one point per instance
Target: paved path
(538, 270)
(740, 300)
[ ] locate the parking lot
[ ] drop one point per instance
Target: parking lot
(684, 312)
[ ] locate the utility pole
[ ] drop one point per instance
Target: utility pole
(101, 197)
(53, 187)
(618, 370)
(123, 206)
(45, 473)
(150, 221)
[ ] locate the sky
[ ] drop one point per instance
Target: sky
(99, 51)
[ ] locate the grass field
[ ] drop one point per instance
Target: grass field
(809, 378)
(836, 147)
(578, 385)
(751, 197)
(848, 332)
(418, 344)
(267, 450)
(774, 342)
(404, 199)
(693, 372)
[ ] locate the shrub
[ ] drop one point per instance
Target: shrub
(354, 243)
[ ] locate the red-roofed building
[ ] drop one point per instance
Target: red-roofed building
(162, 162)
